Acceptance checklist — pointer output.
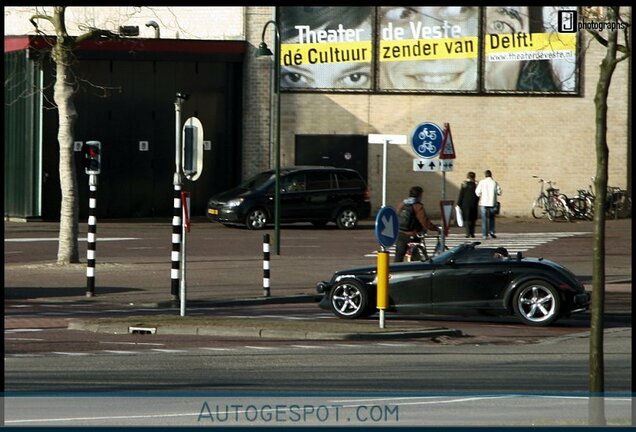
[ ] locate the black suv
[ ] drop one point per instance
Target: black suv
(308, 194)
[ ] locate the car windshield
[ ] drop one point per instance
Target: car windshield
(444, 256)
(456, 251)
(257, 181)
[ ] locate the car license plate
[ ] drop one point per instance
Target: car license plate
(213, 211)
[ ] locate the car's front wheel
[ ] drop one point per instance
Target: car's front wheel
(256, 219)
(537, 303)
(349, 299)
(347, 218)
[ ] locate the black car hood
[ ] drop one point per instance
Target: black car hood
(229, 195)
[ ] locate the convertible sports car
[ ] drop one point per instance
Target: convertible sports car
(465, 280)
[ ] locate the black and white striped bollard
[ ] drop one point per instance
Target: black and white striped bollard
(176, 242)
(91, 236)
(266, 265)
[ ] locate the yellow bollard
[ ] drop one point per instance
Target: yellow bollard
(383, 284)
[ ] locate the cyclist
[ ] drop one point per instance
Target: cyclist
(413, 219)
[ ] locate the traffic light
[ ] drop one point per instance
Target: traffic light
(192, 148)
(92, 156)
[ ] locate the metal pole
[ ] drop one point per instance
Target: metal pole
(176, 199)
(384, 170)
(91, 236)
(383, 283)
(278, 120)
(444, 199)
(182, 286)
(266, 265)
(176, 242)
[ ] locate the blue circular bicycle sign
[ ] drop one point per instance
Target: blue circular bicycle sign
(426, 140)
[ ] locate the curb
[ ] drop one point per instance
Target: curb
(238, 302)
(263, 332)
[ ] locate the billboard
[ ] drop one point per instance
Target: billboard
(524, 51)
(428, 49)
(326, 47)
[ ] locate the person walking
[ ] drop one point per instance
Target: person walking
(468, 202)
(413, 219)
(487, 190)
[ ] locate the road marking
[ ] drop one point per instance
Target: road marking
(131, 343)
(24, 339)
(69, 353)
(19, 330)
(394, 344)
(217, 349)
(120, 352)
(514, 242)
(259, 347)
(82, 239)
(163, 350)
(308, 346)
(24, 355)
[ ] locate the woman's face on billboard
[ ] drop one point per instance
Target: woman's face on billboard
(443, 22)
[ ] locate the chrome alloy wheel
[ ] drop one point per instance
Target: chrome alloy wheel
(348, 300)
(537, 304)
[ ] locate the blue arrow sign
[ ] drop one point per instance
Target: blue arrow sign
(426, 140)
(387, 227)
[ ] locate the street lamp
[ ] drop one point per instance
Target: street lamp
(263, 50)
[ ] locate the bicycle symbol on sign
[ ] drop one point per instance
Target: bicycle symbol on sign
(427, 146)
(426, 139)
(425, 134)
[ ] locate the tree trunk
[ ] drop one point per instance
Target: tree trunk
(68, 250)
(596, 409)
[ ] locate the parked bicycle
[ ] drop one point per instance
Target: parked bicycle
(416, 250)
(618, 203)
(550, 202)
(576, 208)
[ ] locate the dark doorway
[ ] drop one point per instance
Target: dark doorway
(340, 151)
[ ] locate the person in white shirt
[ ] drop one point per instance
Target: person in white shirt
(487, 190)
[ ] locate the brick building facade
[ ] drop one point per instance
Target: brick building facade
(515, 136)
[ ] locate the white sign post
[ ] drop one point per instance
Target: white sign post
(385, 139)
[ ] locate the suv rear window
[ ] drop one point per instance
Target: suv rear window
(349, 180)
(318, 180)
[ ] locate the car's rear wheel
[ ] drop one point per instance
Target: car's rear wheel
(537, 303)
(349, 299)
(347, 218)
(256, 219)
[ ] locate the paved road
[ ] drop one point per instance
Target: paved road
(133, 259)
(450, 384)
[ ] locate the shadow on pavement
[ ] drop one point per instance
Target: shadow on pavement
(39, 292)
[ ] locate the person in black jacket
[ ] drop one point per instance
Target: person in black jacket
(420, 221)
(468, 202)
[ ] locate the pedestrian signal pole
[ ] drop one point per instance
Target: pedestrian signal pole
(176, 201)
(91, 152)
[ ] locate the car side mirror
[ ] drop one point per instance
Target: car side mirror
(519, 256)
